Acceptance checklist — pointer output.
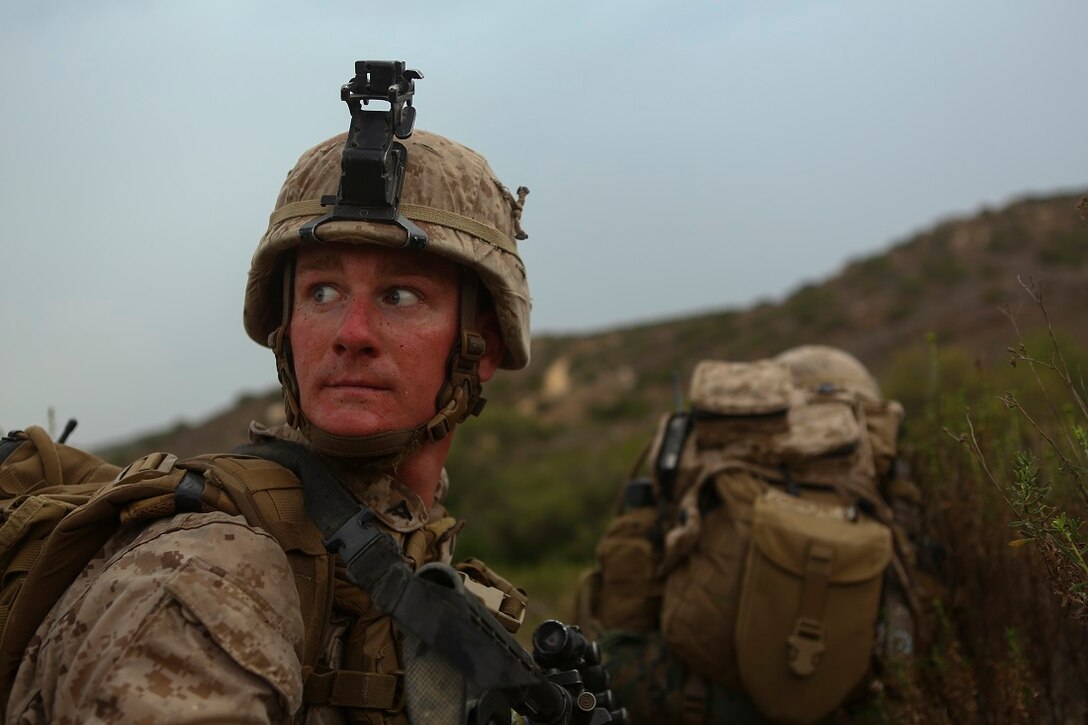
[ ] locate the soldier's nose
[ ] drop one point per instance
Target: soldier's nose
(356, 331)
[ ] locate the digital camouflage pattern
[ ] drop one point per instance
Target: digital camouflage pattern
(719, 387)
(192, 618)
(441, 176)
(198, 616)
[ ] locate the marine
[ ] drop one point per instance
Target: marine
(764, 570)
(389, 287)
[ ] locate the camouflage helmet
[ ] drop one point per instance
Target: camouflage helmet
(468, 216)
(812, 366)
(450, 191)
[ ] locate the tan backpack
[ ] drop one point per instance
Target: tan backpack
(59, 505)
(759, 545)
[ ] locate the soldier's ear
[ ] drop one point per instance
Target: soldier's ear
(487, 323)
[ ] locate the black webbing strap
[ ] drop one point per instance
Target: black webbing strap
(189, 493)
(432, 606)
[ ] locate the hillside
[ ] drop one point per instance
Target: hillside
(953, 281)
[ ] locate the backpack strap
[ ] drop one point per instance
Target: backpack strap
(265, 481)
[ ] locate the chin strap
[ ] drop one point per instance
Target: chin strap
(459, 397)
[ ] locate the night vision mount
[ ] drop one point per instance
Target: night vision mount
(372, 165)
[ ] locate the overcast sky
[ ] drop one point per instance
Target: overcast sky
(682, 156)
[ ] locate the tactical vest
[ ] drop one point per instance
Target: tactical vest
(758, 547)
(61, 505)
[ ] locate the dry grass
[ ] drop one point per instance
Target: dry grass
(1006, 506)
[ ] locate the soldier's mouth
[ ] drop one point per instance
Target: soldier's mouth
(357, 387)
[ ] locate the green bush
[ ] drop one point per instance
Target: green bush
(1066, 250)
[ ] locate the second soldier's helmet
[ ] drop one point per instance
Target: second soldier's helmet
(468, 216)
(815, 366)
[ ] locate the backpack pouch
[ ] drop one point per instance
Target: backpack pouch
(699, 607)
(740, 388)
(819, 429)
(882, 419)
(739, 406)
(827, 445)
(808, 605)
(630, 593)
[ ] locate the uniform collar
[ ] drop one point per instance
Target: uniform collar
(396, 505)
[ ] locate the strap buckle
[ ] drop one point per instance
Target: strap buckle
(806, 644)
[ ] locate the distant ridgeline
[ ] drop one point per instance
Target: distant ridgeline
(604, 390)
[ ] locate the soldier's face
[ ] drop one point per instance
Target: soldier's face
(371, 330)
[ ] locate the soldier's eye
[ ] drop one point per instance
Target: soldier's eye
(402, 297)
(324, 293)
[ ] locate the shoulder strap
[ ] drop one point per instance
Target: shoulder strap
(255, 482)
(266, 480)
(430, 605)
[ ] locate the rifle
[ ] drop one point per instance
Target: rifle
(564, 682)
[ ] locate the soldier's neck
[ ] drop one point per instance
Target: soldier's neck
(420, 471)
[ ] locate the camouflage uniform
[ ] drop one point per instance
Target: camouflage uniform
(196, 618)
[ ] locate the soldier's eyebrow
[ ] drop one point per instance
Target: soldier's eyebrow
(327, 262)
(399, 266)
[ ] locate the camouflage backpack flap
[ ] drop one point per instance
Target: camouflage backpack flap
(882, 420)
(817, 437)
(739, 411)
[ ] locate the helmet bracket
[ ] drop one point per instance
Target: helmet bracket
(372, 163)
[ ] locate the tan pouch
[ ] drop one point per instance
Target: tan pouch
(629, 594)
(827, 445)
(808, 605)
(704, 565)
